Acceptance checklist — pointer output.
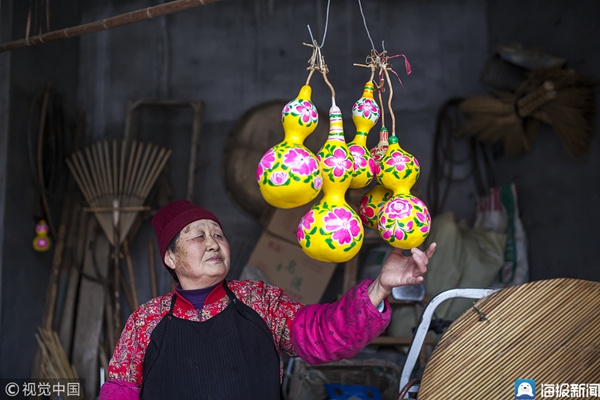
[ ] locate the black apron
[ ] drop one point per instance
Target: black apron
(229, 356)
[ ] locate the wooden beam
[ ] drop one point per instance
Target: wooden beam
(108, 23)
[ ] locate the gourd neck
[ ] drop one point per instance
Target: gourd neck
(383, 137)
(336, 125)
(334, 196)
(360, 138)
(299, 117)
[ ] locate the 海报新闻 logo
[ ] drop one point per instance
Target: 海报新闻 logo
(524, 389)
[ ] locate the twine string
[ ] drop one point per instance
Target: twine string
(365, 23)
(316, 60)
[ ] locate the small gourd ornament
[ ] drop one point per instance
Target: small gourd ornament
(331, 230)
(404, 219)
(371, 202)
(365, 114)
(41, 242)
(288, 174)
(380, 149)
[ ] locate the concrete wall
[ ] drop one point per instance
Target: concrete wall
(25, 272)
(5, 35)
(558, 196)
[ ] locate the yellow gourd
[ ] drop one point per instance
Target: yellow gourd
(41, 242)
(331, 230)
(365, 114)
(288, 174)
(403, 220)
(370, 205)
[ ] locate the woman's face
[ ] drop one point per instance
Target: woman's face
(201, 256)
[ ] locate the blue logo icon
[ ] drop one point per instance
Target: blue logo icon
(524, 389)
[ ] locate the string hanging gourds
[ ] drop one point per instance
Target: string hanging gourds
(288, 174)
(331, 230)
(365, 114)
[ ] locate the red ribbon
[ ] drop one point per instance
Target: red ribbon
(384, 62)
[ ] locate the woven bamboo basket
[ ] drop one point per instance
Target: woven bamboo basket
(548, 331)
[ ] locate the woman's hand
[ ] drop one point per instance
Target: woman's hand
(400, 270)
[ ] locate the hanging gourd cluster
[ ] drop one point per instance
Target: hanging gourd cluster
(290, 175)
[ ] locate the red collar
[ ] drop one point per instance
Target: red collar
(217, 294)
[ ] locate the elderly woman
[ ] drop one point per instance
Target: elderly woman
(217, 339)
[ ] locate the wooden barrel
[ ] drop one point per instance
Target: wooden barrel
(254, 133)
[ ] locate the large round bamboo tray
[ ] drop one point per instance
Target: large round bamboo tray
(548, 331)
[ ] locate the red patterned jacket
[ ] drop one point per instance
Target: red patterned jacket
(317, 333)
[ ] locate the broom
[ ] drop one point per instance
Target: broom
(571, 113)
(558, 97)
(503, 117)
(55, 364)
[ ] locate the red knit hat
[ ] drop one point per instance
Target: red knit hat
(172, 218)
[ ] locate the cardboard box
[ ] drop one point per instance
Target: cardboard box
(285, 265)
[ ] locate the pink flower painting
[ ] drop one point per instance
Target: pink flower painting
(369, 107)
(306, 111)
(374, 166)
(398, 160)
(268, 159)
(279, 178)
(343, 225)
(318, 182)
(305, 224)
(398, 208)
(358, 153)
(365, 211)
(300, 161)
(399, 232)
(266, 162)
(338, 162)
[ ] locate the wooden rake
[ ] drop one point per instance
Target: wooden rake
(116, 183)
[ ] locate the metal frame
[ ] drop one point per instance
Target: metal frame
(197, 106)
(423, 328)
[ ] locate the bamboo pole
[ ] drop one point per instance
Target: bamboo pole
(129, 263)
(108, 23)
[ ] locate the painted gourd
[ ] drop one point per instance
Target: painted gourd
(380, 149)
(371, 202)
(288, 174)
(41, 242)
(403, 220)
(331, 230)
(365, 114)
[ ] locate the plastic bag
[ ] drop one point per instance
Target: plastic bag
(498, 211)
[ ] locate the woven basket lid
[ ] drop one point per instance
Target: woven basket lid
(548, 331)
